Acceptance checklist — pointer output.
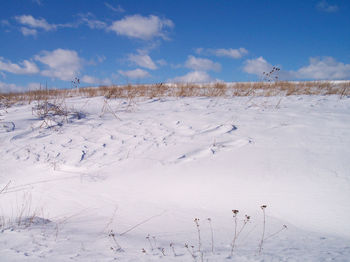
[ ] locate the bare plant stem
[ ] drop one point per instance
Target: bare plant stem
(235, 212)
(155, 241)
(212, 235)
(173, 249)
(149, 241)
(263, 232)
(190, 252)
(272, 235)
(5, 187)
(141, 223)
(117, 247)
(162, 250)
(196, 221)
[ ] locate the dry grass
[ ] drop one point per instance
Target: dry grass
(132, 92)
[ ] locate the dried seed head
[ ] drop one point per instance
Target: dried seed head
(235, 211)
(209, 219)
(247, 217)
(263, 207)
(196, 220)
(285, 226)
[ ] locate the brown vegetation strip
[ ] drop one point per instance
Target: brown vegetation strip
(130, 92)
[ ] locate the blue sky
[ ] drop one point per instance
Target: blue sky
(152, 41)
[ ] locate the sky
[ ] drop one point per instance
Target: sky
(52, 42)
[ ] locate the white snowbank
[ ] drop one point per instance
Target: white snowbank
(168, 161)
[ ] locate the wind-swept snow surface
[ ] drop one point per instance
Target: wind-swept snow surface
(147, 175)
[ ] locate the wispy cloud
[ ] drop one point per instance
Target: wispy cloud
(142, 27)
(326, 7)
(38, 2)
(90, 20)
(135, 74)
(32, 22)
(31, 25)
(222, 52)
(117, 9)
(27, 31)
(5, 22)
(98, 59)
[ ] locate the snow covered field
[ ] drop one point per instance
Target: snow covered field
(167, 161)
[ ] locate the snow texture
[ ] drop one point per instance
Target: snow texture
(99, 188)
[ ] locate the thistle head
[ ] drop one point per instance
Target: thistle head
(235, 212)
(196, 221)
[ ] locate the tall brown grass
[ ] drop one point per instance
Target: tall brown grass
(132, 92)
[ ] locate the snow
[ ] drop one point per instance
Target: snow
(161, 163)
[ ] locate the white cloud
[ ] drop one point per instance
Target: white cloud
(142, 60)
(326, 68)
(63, 64)
(324, 6)
(27, 31)
(257, 66)
(95, 81)
(25, 67)
(118, 9)
(32, 22)
(193, 77)
(230, 52)
(135, 74)
(201, 64)
(142, 27)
